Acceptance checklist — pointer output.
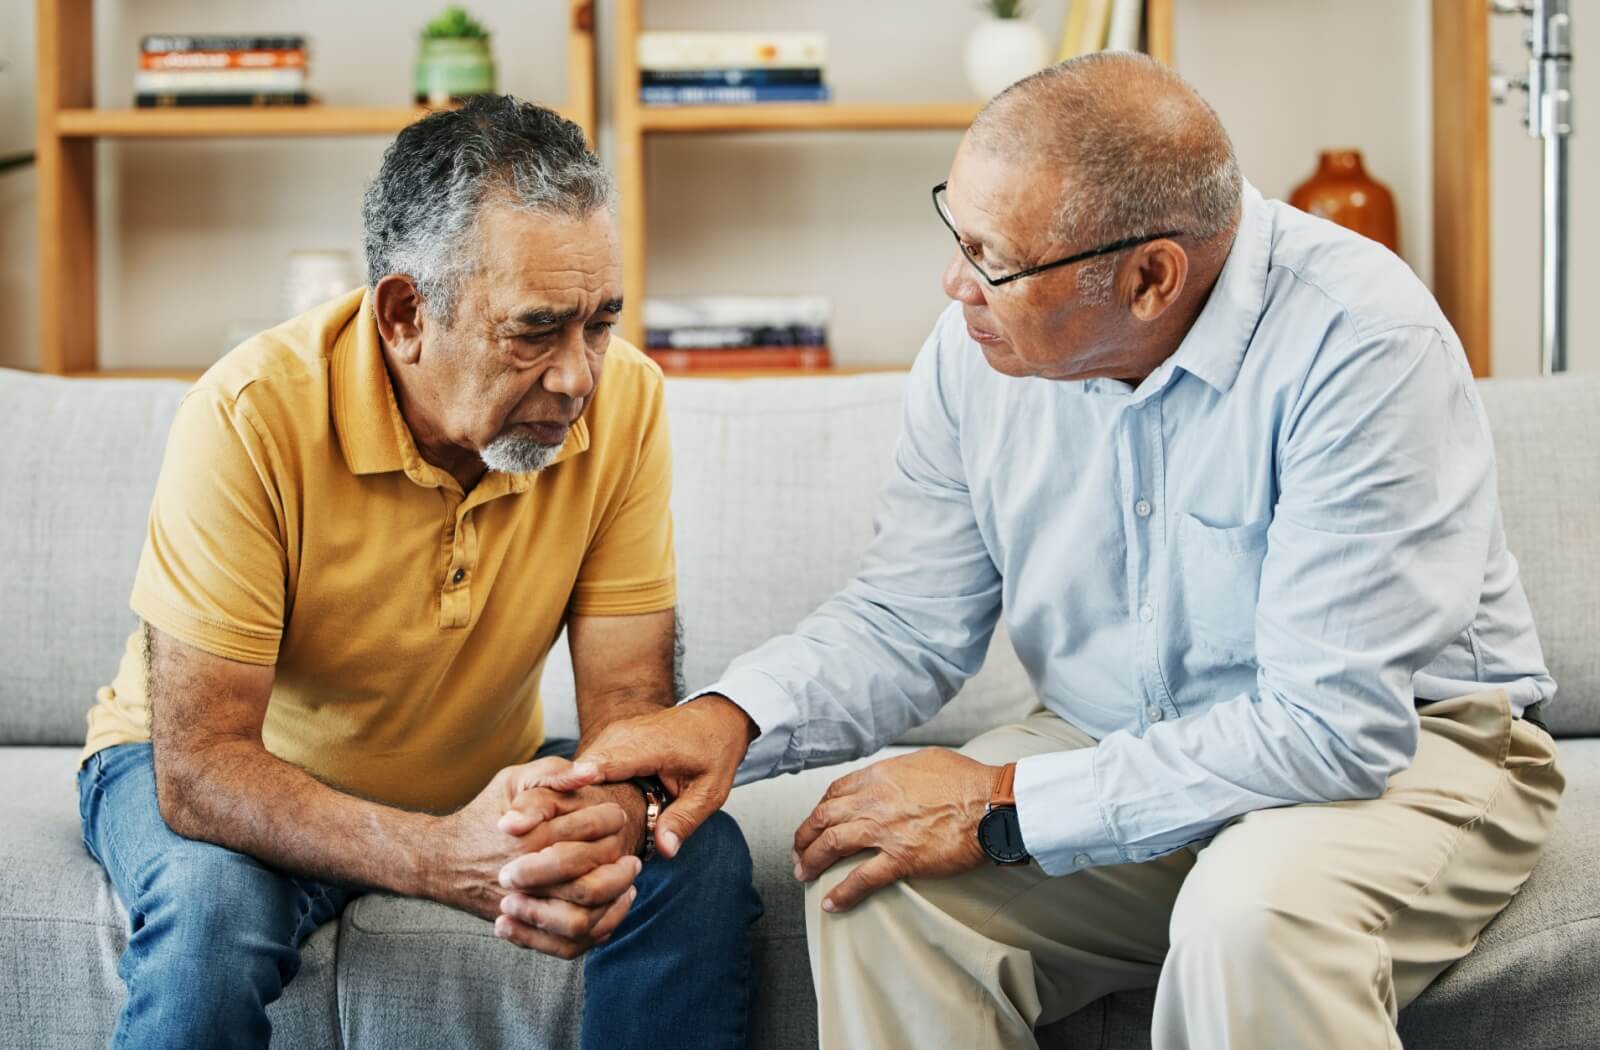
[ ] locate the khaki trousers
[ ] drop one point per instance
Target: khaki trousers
(1301, 927)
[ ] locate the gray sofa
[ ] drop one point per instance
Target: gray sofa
(775, 484)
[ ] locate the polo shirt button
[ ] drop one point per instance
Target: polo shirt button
(460, 575)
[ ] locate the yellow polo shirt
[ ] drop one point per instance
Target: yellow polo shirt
(295, 524)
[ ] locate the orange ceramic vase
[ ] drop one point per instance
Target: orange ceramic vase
(1342, 192)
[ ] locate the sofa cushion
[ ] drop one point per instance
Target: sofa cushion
(62, 928)
(1547, 443)
(775, 486)
(414, 975)
(80, 466)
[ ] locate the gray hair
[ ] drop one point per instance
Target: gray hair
(1139, 150)
(422, 207)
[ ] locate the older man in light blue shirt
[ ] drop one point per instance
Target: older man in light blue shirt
(1248, 546)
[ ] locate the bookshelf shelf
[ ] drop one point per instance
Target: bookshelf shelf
(235, 121)
(69, 125)
(833, 116)
(636, 122)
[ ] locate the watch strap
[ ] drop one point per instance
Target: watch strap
(1005, 792)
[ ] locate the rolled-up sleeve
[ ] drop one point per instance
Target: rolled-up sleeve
(1374, 563)
(914, 624)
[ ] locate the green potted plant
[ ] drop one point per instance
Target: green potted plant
(1004, 48)
(453, 62)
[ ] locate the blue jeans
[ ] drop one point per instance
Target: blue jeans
(215, 935)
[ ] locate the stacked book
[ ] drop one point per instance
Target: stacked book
(221, 71)
(737, 333)
(716, 68)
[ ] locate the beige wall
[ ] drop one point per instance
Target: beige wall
(195, 235)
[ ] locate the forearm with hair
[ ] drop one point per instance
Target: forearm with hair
(650, 681)
(236, 794)
(216, 782)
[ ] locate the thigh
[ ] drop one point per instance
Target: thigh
(1423, 867)
(1087, 934)
(151, 866)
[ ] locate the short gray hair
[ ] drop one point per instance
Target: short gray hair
(422, 207)
(1140, 151)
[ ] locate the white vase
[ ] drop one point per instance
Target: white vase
(1001, 51)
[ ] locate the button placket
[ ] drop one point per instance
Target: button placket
(455, 597)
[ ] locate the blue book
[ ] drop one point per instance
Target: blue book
(729, 95)
(730, 77)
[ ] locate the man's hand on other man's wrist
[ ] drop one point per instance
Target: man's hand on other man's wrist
(694, 748)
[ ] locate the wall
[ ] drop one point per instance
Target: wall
(195, 234)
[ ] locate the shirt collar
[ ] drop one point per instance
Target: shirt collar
(1214, 348)
(367, 417)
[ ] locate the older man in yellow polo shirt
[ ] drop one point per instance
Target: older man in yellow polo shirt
(371, 525)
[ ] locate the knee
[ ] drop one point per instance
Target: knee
(1248, 934)
(717, 854)
(871, 918)
(201, 903)
(709, 885)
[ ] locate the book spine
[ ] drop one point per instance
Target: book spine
(213, 81)
(734, 336)
(724, 96)
(1123, 32)
(754, 358)
(222, 98)
(186, 42)
(728, 77)
(674, 51)
(164, 61)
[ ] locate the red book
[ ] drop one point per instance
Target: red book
(743, 359)
(175, 61)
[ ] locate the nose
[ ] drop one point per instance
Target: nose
(959, 282)
(570, 373)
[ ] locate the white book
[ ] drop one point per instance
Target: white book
(1123, 33)
(206, 81)
(665, 52)
(730, 311)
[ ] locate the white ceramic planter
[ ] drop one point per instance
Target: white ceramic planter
(1001, 52)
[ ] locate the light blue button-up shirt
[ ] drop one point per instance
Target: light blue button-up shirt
(1240, 577)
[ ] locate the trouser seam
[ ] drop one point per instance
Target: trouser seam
(1456, 840)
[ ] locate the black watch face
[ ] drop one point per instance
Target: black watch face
(1000, 835)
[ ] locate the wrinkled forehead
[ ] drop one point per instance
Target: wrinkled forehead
(569, 264)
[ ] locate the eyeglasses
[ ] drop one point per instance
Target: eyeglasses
(973, 252)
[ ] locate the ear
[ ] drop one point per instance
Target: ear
(1155, 274)
(397, 305)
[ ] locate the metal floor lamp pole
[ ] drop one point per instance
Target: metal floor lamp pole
(1549, 117)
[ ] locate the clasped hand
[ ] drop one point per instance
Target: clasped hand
(554, 869)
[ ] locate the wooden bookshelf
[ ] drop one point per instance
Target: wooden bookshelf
(234, 121)
(635, 122)
(935, 116)
(69, 125)
(1461, 220)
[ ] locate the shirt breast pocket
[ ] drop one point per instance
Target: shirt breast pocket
(1220, 566)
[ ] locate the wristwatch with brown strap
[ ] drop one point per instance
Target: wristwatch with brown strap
(1000, 831)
